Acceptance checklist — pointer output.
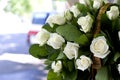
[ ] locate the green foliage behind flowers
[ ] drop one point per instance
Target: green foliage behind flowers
(86, 40)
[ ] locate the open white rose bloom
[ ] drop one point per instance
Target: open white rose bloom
(55, 41)
(97, 4)
(82, 43)
(42, 36)
(71, 50)
(113, 13)
(56, 66)
(83, 63)
(99, 47)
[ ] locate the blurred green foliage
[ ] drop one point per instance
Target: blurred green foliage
(19, 7)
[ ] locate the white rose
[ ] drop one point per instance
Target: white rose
(119, 35)
(85, 2)
(56, 66)
(113, 13)
(97, 4)
(71, 50)
(56, 19)
(42, 36)
(55, 40)
(68, 15)
(99, 47)
(75, 11)
(83, 63)
(85, 23)
(119, 68)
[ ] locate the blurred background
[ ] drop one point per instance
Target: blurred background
(20, 20)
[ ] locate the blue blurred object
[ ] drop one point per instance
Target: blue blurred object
(40, 17)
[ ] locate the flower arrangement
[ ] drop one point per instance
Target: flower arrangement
(82, 43)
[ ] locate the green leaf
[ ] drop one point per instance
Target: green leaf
(48, 64)
(53, 53)
(70, 75)
(117, 55)
(82, 8)
(54, 76)
(38, 51)
(83, 40)
(61, 56)
(102, 74)
(68, 31)
(72, 33)
(104, 18)
(49, 28)
(51, 50)
(53, 56)
(116, 24)
(69, 65)
(74, 21)
(106, 24)
(84, 51)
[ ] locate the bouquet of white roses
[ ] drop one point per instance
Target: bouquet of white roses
(82, 43)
